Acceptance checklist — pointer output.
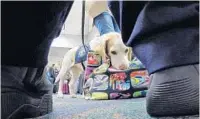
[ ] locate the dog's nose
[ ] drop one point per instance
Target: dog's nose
(122, 67)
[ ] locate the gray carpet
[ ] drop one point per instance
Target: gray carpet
(78, 108)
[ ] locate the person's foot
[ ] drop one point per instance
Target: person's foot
(174, 92)
(25, 93)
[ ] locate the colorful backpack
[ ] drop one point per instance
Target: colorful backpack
(104, 82)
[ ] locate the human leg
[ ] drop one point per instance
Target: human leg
(28, 29)
(105, 23)
(174, 91)
(167, 46)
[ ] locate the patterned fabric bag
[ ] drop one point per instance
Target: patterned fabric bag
(104, 82)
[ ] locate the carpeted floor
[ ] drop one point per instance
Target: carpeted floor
(79, 108)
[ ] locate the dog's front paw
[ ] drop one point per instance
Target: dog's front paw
(60, 95)
(73, 96)
(82, 96)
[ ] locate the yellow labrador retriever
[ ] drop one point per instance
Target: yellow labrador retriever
(108, 45)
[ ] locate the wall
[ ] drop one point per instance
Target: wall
(71, 33)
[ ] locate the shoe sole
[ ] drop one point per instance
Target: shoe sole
(30, 110)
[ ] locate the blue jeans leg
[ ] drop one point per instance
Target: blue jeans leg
(105, 23)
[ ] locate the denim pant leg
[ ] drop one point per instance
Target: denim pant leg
(105, 23)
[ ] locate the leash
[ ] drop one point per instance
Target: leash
(83, 29)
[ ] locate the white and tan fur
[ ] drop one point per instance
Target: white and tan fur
(112, 42)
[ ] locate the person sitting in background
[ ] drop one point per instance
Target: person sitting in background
(51, 73)
(57, 68)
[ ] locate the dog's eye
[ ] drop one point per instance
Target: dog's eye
(126, 50)
(114, 52)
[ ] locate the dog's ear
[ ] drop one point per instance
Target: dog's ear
(102, 48)
(130, 53)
